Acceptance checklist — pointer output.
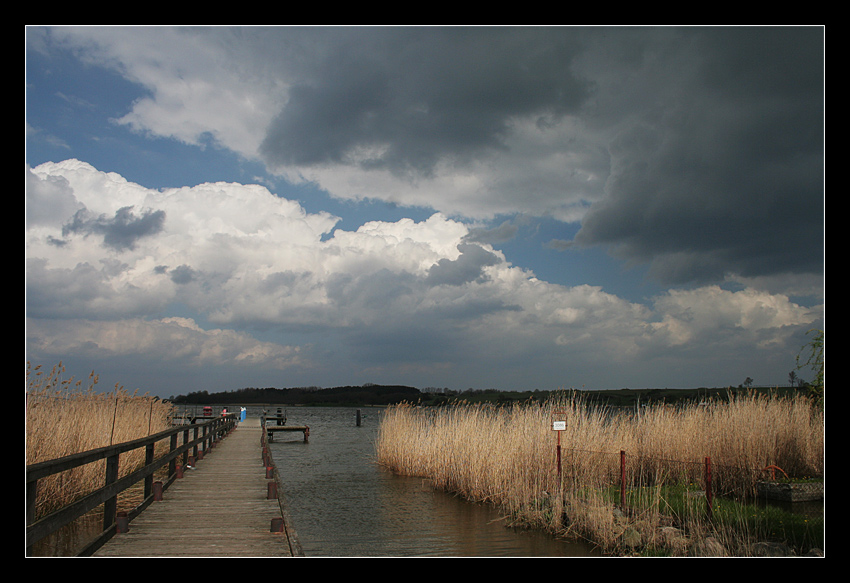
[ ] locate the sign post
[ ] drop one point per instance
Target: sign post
(559, 424)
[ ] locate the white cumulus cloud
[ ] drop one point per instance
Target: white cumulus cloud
(266, 283)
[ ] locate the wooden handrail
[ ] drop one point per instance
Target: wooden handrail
(213, 430)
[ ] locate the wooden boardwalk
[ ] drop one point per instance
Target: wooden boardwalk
(218, 509)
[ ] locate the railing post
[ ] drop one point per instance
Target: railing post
(32, 491)
(204, 442)
(186, 452)
(709, 496)
(172, 465)
(111, 505)
(107, 495)
(148, 487)
(195, 439)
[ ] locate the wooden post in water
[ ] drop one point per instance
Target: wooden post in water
(358, 418)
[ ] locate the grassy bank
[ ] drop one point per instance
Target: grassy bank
(507, 456)
(66, 416)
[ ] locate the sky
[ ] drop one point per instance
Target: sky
(513, 207)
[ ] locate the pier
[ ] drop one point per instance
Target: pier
(280, 425)
(272, 429)
(220, 502)
(221, 507)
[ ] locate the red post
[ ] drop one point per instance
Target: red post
(709, 497)
(157, 491)
(558, 425)
(622, 478)
(272, 491)
(559, 453)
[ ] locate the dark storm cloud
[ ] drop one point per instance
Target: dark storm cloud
(410, 96)
(468, 267)
(726, 175)
(119, 232)
(504, 232)
(713, 135)
(182, 275)
(377, 291)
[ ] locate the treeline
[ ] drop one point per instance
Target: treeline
(349, 395)
(378, 395)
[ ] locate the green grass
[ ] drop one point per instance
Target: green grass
(686, 505)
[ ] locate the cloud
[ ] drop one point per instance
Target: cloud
(715, 179)
(697, 152)
(709, 315)
(401, 99)
(119, 232)
(388, 298)
(456, 119)
(504, 232)
(166, 340)
(694, 150)
(468, 267)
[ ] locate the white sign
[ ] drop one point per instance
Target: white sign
(559, 425)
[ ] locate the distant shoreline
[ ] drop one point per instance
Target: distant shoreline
(382, 395)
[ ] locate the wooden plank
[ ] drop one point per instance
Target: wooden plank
(218, 509)
(287, 428)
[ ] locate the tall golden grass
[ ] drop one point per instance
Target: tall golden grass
(66, 416)
(507, 455)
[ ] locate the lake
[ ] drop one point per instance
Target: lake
(342, 504)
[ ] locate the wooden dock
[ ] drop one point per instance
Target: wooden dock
(225, 507)
(272, 429)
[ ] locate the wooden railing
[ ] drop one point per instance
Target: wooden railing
(204, 435)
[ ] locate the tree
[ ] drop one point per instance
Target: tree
(815, 361)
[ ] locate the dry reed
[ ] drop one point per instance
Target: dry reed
(507, 455)
(66, 416)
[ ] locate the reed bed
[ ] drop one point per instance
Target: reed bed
(507, 456)
(66, 416)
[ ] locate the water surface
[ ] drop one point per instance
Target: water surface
(342, 504)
